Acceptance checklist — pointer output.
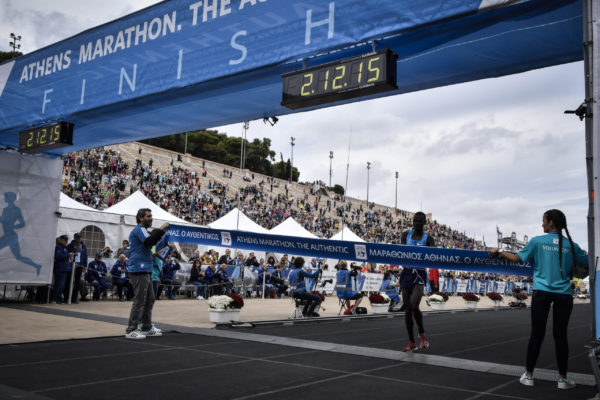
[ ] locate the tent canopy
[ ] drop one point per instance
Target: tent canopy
(237, 220)
(347, 236)
(290, 227)
(116, 86)
(130, 206)
(67, 202)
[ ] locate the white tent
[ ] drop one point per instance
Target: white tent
(130, 206)
(237, 220)
(348, 236)
(290, 227)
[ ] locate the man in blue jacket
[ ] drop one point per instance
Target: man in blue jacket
(140, 275)
(62, 267)
(167, 278)
(80, 261)
(96, 274)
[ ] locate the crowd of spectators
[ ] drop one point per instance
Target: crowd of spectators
(101, 177)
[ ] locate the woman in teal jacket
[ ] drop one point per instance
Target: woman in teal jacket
(555, 262)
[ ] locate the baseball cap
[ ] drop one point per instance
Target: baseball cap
(63, 237)
(77, 235)
(98, 254)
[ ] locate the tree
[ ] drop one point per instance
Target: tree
(8, 55)
(339, 189)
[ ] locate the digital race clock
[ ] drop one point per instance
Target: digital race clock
(340, 80)
(47, 137)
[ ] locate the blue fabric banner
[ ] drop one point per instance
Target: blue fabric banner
(416, 256)
(149, 73)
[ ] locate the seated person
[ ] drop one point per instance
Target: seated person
(389, 288)
(124, 249)
(298, 287)
(264, 279)
(211, 280)
(120, 278)
(278, 282)
(343, 287)
(95, 275)
(167, 278)
(226, 258)
(197, 278)
(225, 280)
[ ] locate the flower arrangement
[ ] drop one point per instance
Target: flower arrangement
(379, 298)
(438, 297)
(470, 297)
(494, 296)
(226, 302)
(521, 296)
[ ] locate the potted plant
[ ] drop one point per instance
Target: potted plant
(521, 297)
(495, 297)
(379, 303)
(437, 300)
(225, 308)
(471, 299)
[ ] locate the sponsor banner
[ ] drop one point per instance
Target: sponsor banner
(372, 282)
(461, 287)
(415, 256)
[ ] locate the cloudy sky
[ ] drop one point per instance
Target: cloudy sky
(495, 152)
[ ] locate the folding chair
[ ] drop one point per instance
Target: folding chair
(298, 307)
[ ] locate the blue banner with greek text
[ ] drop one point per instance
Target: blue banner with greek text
(415, 256)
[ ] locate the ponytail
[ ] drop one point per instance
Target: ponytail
(560, 222)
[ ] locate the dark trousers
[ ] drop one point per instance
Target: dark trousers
(433, 286)
(562, 305)
(60, 280)
(412, 300)
(312, 301)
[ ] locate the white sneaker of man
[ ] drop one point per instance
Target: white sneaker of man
(154, 331)
(136, 334)
(200, 298)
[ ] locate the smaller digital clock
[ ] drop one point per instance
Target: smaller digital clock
(340, 80)
(46, 137)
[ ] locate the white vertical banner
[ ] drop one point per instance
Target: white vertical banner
(29, 198)
(373, 282)
(501, 287)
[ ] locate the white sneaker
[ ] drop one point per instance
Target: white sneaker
(137, 334)
(200, 298)
(526, 380)
(565, 384)
(152, 332)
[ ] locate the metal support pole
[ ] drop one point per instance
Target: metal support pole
(368, 171)
(330, 164)
(396, 202)
(292, 162)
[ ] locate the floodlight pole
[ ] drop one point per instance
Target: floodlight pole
(245, 127)
(14, 42)
(368, 172)
(330, 163)
(292, 161)
(396, 202)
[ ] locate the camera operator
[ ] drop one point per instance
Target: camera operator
(343, 287)
(390, 289)
(298, 286)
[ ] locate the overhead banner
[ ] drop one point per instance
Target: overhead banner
(148, 73)
(29, 198)
(415, 256)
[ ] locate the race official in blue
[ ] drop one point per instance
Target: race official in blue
(120, 278)
(80, 261)
(96, 272)
(390, 288)
(167, 278)
(555, 257)
(224, 279)
(140, 275)
(62, 267)
(211, 279)
(298, 287)
(413, 281)
(264, 280)
(343, 287)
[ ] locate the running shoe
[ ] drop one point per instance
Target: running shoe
(423, 343)
(527, 380)
(152, 332)
(410, 346)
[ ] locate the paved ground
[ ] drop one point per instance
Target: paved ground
(473, 355)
